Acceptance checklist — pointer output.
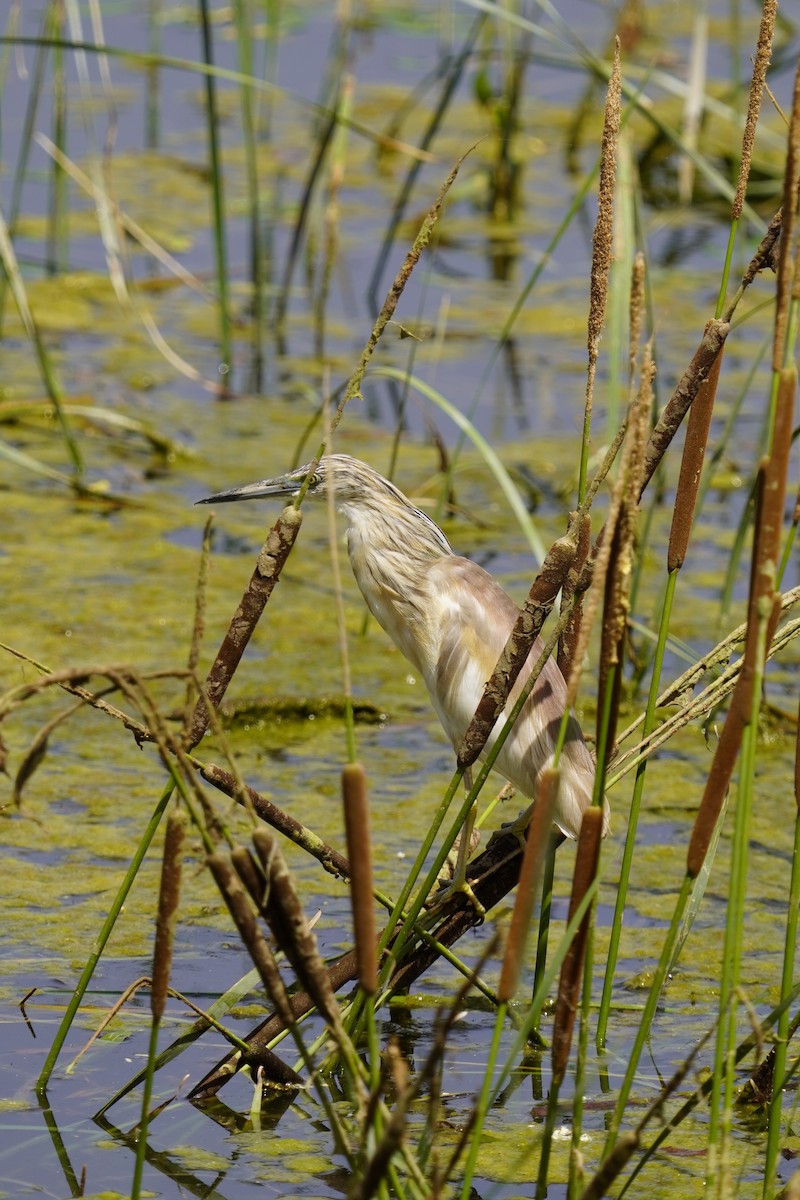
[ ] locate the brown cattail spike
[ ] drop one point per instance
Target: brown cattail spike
(692, 465)
(359, 852)
(167, 919)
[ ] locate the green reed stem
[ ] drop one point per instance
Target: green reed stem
(545, 912)
(726, 268)
(10, 267)
(25, 146)
(781, 1045)
(399, 909)
(575, 1167)
(633, 818)
(103, 936)
(152, 97)
(551, 1117)
(56, 241)
(217, 196)
(722, 1093)
(147, 1093)
(242, 15)
(484, 1100)
(643, 1031)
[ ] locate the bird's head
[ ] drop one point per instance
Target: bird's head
(368, 501)
(353, 482)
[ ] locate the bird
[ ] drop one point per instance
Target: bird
(451, 619)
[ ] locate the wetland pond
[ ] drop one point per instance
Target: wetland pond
(109, 576)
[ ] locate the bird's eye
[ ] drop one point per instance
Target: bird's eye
(316, 480)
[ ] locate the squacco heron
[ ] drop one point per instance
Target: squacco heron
(451, 620)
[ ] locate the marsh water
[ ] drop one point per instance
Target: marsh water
(86, 583)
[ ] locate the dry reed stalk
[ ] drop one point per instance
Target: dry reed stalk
(693, 377)
(530, 873)
(602, 237)
(167, 918)
(612, 636)
(329, 858)
(199, 623)
(284, 914)
(527, 627)
(251, 875)
(787, 249)
(714, 792)
(269, 565)
(492, 875)
(353, 387)
(776, 468)
(359, 850)
(587, 858)
(694, 450)
(244, 919)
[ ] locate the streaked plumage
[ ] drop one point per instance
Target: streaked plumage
(449, 618)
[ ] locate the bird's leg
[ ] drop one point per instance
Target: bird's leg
(518, 827)
(459, 856)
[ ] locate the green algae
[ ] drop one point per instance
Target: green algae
(83, 586)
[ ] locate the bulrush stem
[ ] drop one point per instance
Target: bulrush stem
(167, 918)
(359, 851)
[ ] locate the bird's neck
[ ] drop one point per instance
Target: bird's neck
(391, 555)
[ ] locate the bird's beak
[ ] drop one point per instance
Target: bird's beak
(285, 485)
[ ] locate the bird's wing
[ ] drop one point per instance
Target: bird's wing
(475, 617)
